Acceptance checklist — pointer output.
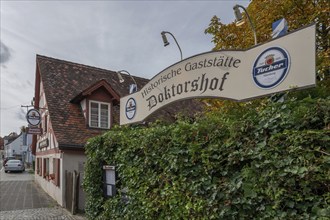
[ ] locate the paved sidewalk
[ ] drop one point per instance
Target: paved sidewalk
(16, 195)
(23, 199)
(56, 213)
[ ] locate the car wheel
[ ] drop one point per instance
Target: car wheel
(6, 171)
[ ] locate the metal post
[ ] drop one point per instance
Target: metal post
(167, 43)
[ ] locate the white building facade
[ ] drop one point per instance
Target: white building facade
(19, 147)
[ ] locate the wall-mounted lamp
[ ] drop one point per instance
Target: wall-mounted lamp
(133, 87)
(120, 77)
(166, 41)
(240, 20)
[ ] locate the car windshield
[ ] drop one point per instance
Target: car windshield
(14, 161)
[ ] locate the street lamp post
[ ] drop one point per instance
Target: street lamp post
(166, 41)
(121, 80)
(240, 20)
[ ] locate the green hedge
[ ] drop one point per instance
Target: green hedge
(264, 161)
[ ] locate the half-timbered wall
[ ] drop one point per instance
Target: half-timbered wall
(48, 156)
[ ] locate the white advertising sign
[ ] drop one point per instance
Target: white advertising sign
(279, 65)
(33, 117)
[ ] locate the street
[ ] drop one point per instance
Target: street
(22, 198)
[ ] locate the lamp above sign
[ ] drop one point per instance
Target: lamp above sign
(279, 65)
(33, 117)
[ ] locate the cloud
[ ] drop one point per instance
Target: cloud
(106, 34)
(20, 114)
(4, 53)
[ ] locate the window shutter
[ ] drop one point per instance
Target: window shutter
(44, 168)
(40, 166)
(58, 172)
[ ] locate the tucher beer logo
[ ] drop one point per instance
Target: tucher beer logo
(130, 108)
(33, 117)
(271, 67)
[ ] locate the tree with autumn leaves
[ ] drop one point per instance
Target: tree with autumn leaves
(263, 13)
(251, 160)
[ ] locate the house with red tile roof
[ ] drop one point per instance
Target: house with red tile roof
(77, 102)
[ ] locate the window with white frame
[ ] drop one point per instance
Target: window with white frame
(99, 114)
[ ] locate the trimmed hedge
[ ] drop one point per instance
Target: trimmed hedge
(264, 161)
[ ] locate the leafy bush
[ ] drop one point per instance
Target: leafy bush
(270, 161)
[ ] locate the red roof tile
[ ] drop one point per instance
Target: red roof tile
(64, 81)
(66, 84)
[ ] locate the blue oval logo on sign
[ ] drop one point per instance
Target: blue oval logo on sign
(130, 108)
(271, 67)
(33, 117)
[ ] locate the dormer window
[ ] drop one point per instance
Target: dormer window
(99, 113)
(96, 103)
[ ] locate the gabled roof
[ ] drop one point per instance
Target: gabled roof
(11, 137)
(88, 91)
(65, 83)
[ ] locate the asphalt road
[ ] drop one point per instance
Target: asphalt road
(27, 175)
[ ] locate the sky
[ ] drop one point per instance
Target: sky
(114, 35)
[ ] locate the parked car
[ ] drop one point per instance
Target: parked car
(6, 159)
(14, 165)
